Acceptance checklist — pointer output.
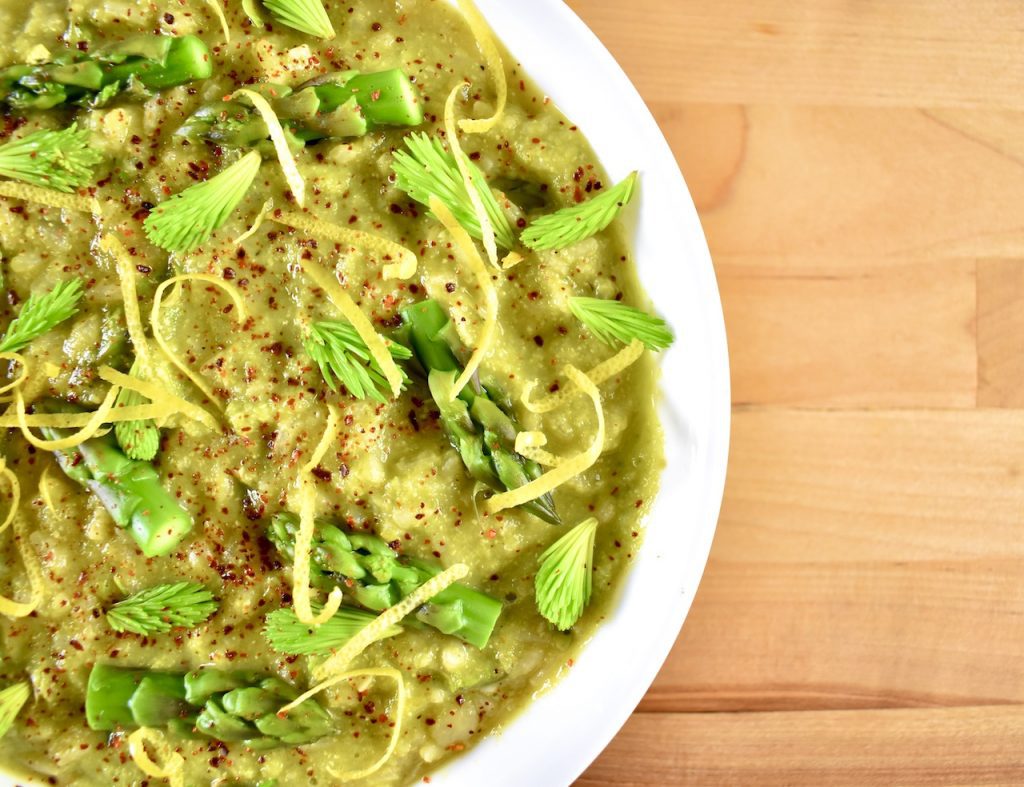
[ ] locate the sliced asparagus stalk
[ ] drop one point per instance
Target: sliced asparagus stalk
(346, 104)
(478, 428)
(130, 490)
(141, 64)
(376, 577)
(208, 702)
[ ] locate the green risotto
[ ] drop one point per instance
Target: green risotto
(328, 395)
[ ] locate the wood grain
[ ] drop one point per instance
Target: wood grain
(960, 746)
(859, 171)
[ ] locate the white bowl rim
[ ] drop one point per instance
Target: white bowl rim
(564, 730)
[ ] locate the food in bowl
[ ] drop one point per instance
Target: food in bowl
(330, 392)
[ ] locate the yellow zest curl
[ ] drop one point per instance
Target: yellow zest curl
(483, 278)
(260, 218)
(130, 297)
(492, 57)
(304, 538)
(19, 609)
(486, 228)
(219, 13)
(12, 479)
(331, 671)
(406, 266)
(173, 768)
(565, 470)
(399, 715)
(164, 402)
(284, 153)
(154, 321)
(601, 373)
(92, 426)
(531, 445)
(374, 343)
(20, 360)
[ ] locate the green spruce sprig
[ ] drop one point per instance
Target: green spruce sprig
(563, 228)
(189, 218)
(287, 634)
(12, 700)
(62, 160)
(612, 321)
(565, 578)
(429, 169)
(344, 359)
(306, 16)
(41, 313)
(158, 609)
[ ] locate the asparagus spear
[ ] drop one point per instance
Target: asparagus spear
(207, 702)
(130, 490)
(480, 429)
(138, 64)
(345, 104)
(377, 578)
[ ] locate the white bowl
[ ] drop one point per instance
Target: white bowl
(564, 730)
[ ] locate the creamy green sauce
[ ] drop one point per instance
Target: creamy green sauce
(393, 468)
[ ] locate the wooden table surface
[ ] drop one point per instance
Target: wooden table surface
(859, 170)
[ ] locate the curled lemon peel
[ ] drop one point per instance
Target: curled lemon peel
(164, 402)
(49, 198)
(511, 259)
(304, 537)
(406, 266)
(21, 609)
(483, 278)
(173, 768)
(22, 376)
(45, 479)
(565, 469)
(277, 136)
(260, 218)
(139, 412)
(12, 479)
(332, 671)
(531, 445)
(130, 298)
(601, 373)
(486, 228)
(219, 13)
(481, 31)
(154, 321)
(399, 715)
(351, 312)
(91, 427)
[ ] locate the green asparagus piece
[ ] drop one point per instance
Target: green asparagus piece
(137, 65)
(378, 578)
(129, 489)
(345, 104)
(479, 428)
(208, 703)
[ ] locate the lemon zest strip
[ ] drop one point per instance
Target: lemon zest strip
(601, 373)
(154, 321)
(284, 153)
(12, 479)
(569, 468)
(341, 299)
(96, 420)
(304, 538)
(20, 609)
(486, 228)
(406, 266)
(531, 445)
(260, 218)
(219, 13)
(481, 31)
(164, 401)
(399, 715)
(173, 768)
(130, 296)
(483, 278)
